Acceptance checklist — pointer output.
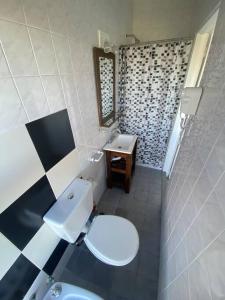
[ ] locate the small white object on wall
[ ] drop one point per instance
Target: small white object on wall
(103, 38)
(96, 157)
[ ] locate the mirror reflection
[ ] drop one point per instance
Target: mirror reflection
(105, 86)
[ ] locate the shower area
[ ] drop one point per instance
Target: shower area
(151, 79)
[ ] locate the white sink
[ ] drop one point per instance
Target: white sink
(65, 291)
(123, 143)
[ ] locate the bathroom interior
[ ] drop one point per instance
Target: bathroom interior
(112, 149)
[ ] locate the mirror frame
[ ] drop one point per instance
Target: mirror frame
(99, 52)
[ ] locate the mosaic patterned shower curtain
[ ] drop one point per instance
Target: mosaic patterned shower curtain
(151, 78)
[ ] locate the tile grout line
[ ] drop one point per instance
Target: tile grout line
(56, 59)
(28, 27)
(196, 258)
(189, 169)
(77, 94)
(188, 173)
(171, 196)
(203, 167)
(198, 213)
(35, 58)
(32, 26)
(186, 176)
(14, 82)
(37, 75)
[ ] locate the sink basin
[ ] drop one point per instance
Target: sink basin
(123, 143)
(69, 292)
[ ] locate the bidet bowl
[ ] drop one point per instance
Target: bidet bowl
(70, 292)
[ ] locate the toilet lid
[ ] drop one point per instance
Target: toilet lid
(113, 240)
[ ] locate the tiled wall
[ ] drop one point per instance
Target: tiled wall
(193, 236)
(46, 66)
(30, 158)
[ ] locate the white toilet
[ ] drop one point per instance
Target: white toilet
(112, 239)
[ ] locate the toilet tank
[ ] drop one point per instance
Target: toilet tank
(69, 214)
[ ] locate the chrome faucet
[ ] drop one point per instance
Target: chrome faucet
(114, 134)
(56, 290)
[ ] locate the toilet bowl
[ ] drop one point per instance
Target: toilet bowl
(112, 239)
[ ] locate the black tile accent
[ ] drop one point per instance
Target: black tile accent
(19, 278)
(52, 137)
(55, 257)
(21, 220)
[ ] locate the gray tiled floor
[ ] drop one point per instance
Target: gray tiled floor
(139, 279)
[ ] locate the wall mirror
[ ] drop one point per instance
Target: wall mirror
(104, 64)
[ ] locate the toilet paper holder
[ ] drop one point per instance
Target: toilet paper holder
(96, 157)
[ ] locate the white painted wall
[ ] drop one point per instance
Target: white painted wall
(163, 19)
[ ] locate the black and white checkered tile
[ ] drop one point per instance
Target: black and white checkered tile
(32, 158)
(106, 77)
(151, 78)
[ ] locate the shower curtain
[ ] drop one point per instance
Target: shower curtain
(151, 78)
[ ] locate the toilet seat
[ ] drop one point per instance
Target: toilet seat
(112, 239)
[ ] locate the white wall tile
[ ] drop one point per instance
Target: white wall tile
(41, 246)
(193, 242)
(181, 288)
(4, 70)
(16, 44)
(12, 10)
(54, 92)
(20, 165)
(201, 224)
(211, 220)
(63, 173)
(181, 258)
(9, 254)
(11, 109)
(32, 94)
(62, 54)
(95, 173)
(44, 52)
(77, 125)
(57, 17)
(36, 13)
(219, 194)
(70, 91)
(199, 281)
(214, 261)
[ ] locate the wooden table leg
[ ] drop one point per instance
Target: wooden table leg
(128, 173)
(109, 172)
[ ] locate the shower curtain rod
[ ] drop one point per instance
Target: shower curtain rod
(157, 42)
